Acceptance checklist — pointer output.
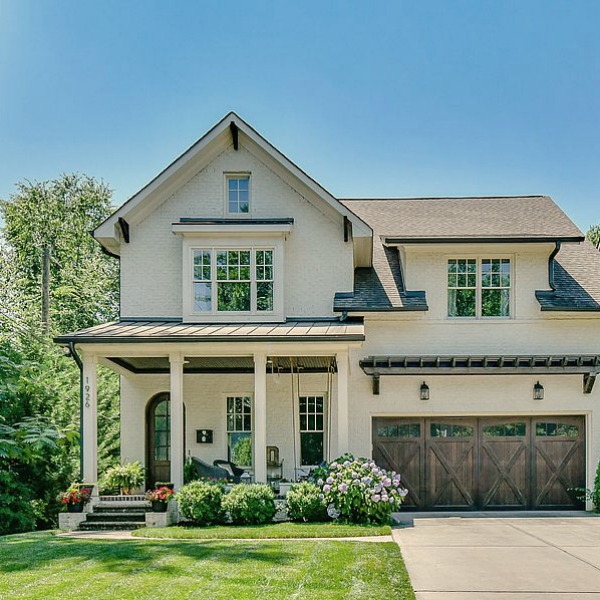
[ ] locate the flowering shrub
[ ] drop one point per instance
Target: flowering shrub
(200, 502)
(75, 494)
(160, 494)
(250, 504)
(358, 491)
(304, 502)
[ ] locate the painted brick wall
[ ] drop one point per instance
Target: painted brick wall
(317, 261)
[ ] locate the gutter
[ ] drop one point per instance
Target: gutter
(551, 265)
(73, 354)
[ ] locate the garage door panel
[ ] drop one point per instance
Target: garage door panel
(559, 461)
(398, 446)
(504, 475)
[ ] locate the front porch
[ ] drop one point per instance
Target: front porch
(278, 397)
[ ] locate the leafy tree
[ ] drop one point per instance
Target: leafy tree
(593, 234)
(39, 386)
(58, 215)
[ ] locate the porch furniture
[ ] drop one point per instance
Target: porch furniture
(234, 473)
(207, 471)
(274, 465)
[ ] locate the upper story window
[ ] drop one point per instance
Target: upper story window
(238, 194)
(237, 280)
(479, 287)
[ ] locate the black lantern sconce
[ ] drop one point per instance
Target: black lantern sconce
(424, 391)
(538, 391)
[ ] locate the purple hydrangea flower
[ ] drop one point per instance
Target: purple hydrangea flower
(329, 480)
(326, 488)
(375, 498)
(343, 488)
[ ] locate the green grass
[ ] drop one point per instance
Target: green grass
(44, 566)
(277, 530)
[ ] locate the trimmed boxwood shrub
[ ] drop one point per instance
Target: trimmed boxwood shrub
(200, 502)
(250, 504)
(304, 502)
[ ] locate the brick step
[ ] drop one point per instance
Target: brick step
(115, 510)
(110, 526)
(116, 517)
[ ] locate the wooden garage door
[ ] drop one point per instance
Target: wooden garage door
(507, 463)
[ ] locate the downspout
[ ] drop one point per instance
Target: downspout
(77, 359)
(551, 266)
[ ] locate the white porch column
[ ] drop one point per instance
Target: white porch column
(342, 403)
(260, 417)
(177, 459)
(90, 420)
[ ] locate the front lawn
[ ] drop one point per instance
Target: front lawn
(41, 565)
(276, 530)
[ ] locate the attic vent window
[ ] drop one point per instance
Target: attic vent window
(238, 194)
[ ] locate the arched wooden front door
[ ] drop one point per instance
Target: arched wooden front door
(158, 439)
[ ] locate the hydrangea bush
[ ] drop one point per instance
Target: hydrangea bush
(358, 491)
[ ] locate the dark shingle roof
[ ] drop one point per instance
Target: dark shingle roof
(576, 278)
(466, 218)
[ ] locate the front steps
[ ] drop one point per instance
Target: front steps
(116, 514)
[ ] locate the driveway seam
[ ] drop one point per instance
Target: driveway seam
(555, 546)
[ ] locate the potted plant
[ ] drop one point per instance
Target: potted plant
(160, 498)
(125, 477)
(75, 497)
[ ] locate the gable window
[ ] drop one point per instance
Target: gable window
(233, 280)
(312, 430)
(479, 288)
(239, 430)
(238, 194)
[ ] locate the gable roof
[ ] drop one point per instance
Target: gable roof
(500, 218)
(194, 159)
(523, 219)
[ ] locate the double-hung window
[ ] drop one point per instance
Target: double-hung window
(239, 430)
(233, 280)
(312, 432)
(479, 287)
(238, 194)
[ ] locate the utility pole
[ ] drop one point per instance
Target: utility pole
(46, 289)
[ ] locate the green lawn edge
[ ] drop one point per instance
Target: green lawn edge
(270, 531)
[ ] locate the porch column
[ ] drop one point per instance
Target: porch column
(176, 371)
(260, 417)
(342, 402)
(90, 420)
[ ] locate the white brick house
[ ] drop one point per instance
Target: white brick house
(456, 340)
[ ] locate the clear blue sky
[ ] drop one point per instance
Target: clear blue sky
(409, 98)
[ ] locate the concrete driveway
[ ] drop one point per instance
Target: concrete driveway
(502, 557)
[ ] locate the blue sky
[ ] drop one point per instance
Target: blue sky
(409, 98)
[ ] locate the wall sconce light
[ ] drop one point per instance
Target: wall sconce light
(424, 391)
(538, 391)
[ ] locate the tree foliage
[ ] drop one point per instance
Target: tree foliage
(39, 386)
(593, 234)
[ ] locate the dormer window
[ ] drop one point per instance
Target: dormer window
(238, 194)
(479, 287)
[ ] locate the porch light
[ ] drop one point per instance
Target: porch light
(424, 391)
(538, 391)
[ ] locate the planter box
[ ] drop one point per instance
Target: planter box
(70, 521)
(163, 519)
(284, 488)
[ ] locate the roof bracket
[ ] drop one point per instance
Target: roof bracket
(234, 135)
(375, 384)
(124, 226)
(588, 381)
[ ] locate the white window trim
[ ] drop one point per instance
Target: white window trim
(479, 258)
(224, 396)
(326, 449)
(253, 243)
(235, 175)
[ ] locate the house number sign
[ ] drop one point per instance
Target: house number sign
(87, 392)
